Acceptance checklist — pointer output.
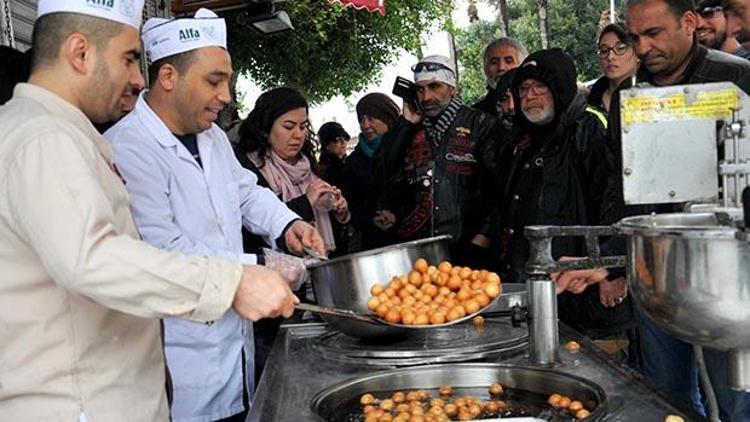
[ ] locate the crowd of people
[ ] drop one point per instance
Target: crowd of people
(153, 232)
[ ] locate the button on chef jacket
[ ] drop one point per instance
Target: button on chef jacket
(80, 294)
(179, 205)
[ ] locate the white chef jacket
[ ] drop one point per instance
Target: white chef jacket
(177, 205)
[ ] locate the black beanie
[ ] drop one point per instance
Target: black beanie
(504, 83)
(553, 68)
(331, 131)
(378, 106)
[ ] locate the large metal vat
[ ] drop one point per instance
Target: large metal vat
(691, 275)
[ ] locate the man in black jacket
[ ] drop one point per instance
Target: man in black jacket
(664, 39)
(434, 171)
(557, 176)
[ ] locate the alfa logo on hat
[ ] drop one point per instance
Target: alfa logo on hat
(101, 4)
(189, 34)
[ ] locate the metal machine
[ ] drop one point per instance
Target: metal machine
(690, 272)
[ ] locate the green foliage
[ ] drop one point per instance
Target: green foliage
(573, 25)
(333, 50)
(470, 44)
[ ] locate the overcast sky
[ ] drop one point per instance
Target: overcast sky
(342, 110)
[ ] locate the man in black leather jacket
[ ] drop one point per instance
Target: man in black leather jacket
(557, 176)
(435, 171)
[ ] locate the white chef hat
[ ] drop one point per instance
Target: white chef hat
(128, 12)
(167, 37)
(435, 68)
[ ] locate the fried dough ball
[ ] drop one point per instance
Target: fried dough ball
(471, 306)
(412, 396)
(451, 410)
(421, 319)
(465, 415)
(393, 316)
(376, 289)
(399, 397)
(387, 404)
(493, 278)
(554, 400)
(475, 410)
(575, 406)
(565, 402)
(437, 318)
(421, 265)
(492, 408)
(496, 389)
(465, 273)
(483, 299)
(445, 390)
(454, 283)
(491, 290)
(583, 413)
(403, 408)
(445, 267)
(373, 303)
(572, 347)
(371, 418)
(366, 399)
(669, 418)
(478, 321)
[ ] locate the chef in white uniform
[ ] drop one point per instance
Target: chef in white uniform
(189, 194)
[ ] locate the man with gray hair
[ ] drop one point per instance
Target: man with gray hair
(499, 56)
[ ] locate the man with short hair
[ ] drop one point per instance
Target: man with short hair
(664, 39)
(81, 294)
(499, 56)
(713, 28)
(189, 194)
(435, 169)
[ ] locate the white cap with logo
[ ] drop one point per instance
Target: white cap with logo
(435, 68)
(167, 37)
(128, 12)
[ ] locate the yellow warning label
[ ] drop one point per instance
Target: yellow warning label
(716, 105)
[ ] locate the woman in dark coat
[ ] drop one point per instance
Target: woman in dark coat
(377, 114)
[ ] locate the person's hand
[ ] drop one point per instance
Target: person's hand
(292, 268)
(263, 293)
(612, 293)
(384, 219)
(577, 281)
(300, 235)
(340, 207)
(316, 189)
(410, 114)
(481, 240)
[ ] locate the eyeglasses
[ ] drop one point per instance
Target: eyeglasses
(619, 49)
(535, 87)
(430, 67)
(709, 12)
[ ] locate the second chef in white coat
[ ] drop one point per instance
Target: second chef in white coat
(190, 194)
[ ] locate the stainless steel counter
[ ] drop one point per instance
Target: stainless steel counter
(296, 371)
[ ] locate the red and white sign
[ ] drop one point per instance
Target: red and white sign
(370, 5)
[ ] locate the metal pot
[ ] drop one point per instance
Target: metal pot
(338, 402)
(345, 282)
(691, 275)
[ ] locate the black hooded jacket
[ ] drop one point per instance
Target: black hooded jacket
(557, 176)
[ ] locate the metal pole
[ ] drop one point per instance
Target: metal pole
(612, 11)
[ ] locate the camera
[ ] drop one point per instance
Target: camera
(407, 90)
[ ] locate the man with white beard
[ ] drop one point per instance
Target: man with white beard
(557, 176)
